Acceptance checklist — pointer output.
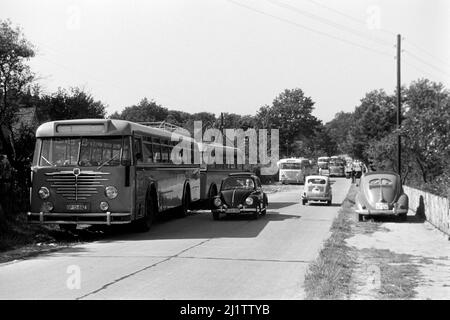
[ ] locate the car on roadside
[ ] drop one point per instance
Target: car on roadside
(381, 193)
(317, 189)
(240, 193)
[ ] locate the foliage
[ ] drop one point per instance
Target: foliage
(291, 113)
(69, 104)
(15, 50)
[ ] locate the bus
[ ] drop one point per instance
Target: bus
(294, 170)
(322, 163)
(211, 175)
(336, 167)
(107, 172)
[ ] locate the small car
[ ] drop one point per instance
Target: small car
(240, 193)
(317, 189)
(381, 193)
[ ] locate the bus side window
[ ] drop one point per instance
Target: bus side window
(156, 150)
(148, 152)
(137, 144)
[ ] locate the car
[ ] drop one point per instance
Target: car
(317, 189)
(240, 193)
(381, 193)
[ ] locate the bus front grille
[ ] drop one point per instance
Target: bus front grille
(77, 185)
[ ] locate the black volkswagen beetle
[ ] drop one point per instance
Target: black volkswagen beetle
(240, 193)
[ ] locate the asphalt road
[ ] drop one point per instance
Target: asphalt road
(190, 258)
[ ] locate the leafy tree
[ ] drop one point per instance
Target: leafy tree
(373, 119)
(337, 131)
(145, 111)
(291, 113)
(15, 50)
(71, 104)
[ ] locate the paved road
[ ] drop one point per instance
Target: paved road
(190, 258)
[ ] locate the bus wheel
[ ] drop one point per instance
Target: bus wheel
(143, 224)
(185, 204)
(68, 227)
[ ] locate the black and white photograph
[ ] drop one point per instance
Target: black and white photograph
(224, 155)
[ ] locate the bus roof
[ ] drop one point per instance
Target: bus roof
(97, 127)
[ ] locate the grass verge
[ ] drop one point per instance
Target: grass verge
(329, 276)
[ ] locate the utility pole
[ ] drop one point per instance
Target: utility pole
(399, 107)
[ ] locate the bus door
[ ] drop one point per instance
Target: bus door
(139, 187)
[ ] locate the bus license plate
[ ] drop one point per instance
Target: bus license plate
(77, 207)
(382, 206)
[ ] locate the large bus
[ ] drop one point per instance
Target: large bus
(211, 175)
(322, 164)
(103, 171)
(294, 170)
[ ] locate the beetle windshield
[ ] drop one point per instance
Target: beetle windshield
(238, 183)
(85, 151)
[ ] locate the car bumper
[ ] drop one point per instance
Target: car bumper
(106, 218)
(381, 212)
(238, 211)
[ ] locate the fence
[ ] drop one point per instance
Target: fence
(434, 208)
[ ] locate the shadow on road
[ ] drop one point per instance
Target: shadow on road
(280, 205)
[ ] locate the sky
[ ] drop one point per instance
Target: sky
(233, 55)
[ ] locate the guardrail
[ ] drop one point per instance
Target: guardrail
(434, 209)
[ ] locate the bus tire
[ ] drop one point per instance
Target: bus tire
(151, 208)
(185, 202)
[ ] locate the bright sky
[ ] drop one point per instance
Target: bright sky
(233, 55)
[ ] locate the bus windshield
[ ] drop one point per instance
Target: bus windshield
(85, 151)
(291, 166)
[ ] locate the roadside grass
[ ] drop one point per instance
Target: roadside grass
(20, 239)
(329, 276)
(343, 272)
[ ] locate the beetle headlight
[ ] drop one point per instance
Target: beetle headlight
(111, 192)
(44, 193)
(47, 206)
(104, 206)
(217, 202)
(249, 201)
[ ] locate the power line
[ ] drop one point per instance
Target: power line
(330, 23)
(360, 21)
(426, 52)
(387, 31)
(310, 29)
(426, 63)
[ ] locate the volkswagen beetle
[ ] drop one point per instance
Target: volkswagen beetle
(240, 193)
(381, 193)
(317, 189)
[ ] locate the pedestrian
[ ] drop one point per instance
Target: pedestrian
(6, 172)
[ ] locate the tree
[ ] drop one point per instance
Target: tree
(337, 131)
(291, 113)
(373, 119)
(144, 111)
(15, 50)
(70, 104)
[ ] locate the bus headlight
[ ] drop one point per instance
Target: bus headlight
(111, 192)
(104, 206)
(44, 193)
(47, 206)
(217, 202)
(249, 201)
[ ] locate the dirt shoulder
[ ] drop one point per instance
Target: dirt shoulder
(380, 259)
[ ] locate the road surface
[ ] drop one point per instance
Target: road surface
(190, 258)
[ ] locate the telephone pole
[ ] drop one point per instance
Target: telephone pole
(399, 107)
